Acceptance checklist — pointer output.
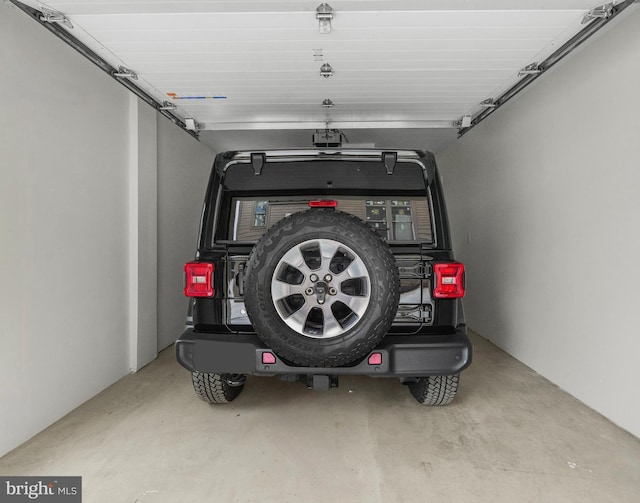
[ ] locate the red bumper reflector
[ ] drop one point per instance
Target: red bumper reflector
(268, 358)
(198, 279)
(375, 359)
(448, 280)
(323, 203)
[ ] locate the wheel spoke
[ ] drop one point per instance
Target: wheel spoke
(327, 250)
(358, 305)
(281, 290)
(331, 326)
(343, 297)
(298, 319)
(344, 315)
(355, 287)
(302, 283)
(295, 259)
(356, 269)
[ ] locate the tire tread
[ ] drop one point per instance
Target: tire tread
(214, 388)
(435, 390)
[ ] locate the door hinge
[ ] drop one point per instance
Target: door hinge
(125, 73)
(488, 103)
(601, 12)
(425, 312)
(167, 105)
(416, 270)
(53, 16)
(420, 313)
(324, 15)
(531, 69)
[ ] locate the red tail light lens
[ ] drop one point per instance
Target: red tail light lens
(448, 280)
(323, 203)
(198, 279)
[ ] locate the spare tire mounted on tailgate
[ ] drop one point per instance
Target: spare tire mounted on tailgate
(322, 288)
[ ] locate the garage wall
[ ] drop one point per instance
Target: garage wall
(143, 233)
(95, 190)
(184, 165)
(544, 203)
(63, 229)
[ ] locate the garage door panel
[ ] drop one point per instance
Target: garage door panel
(327, 45)
(429, 60)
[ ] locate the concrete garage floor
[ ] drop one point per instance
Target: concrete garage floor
(510, 436)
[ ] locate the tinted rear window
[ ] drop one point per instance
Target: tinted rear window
(395, 218)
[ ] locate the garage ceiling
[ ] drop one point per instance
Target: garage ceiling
(245, 65)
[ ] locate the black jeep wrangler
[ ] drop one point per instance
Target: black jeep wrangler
(317, 263)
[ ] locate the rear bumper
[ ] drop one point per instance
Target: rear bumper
(402, 356)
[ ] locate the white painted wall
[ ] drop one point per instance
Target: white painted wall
(64, 217)
(143, 233)
(78, 229)
(184, 165)
(544, 201)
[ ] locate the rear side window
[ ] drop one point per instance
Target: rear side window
(396, 219)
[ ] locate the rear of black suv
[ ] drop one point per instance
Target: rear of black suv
(316, 263)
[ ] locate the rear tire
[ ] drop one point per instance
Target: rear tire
(322, 288)
(217, 388)
(435, 390)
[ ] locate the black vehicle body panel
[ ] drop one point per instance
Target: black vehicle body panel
(401, 356)
(440, 347)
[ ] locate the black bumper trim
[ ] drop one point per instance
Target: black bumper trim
(402, 356)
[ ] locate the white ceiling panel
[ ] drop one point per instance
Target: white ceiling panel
(249, 65)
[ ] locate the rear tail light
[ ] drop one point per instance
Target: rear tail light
(448, 280)
(323, 203)
(198, 279)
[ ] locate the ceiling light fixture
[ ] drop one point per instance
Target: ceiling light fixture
(327, 103)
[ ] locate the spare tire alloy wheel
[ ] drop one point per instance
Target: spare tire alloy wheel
(326, 301)
(321, 288)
